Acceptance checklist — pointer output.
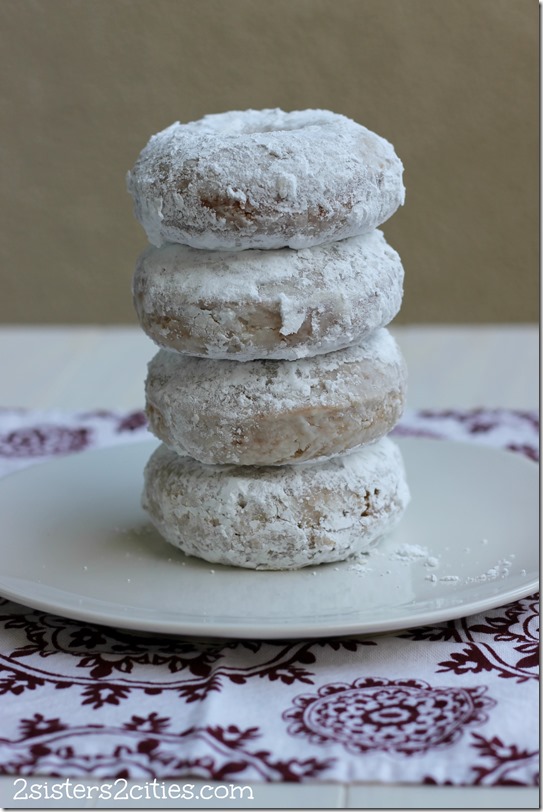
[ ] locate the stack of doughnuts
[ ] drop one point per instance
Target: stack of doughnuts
(268, 287)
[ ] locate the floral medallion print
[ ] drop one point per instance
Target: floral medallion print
(396, 716)
(455, 703)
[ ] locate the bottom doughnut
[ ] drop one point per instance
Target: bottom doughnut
(276, 518)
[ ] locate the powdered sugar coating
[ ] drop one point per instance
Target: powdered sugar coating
(276, 412)
(264, 179)
(276, 518)
(280, 304)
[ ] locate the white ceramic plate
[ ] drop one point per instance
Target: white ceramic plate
(75, 541)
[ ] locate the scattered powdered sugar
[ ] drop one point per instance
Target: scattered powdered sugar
(360, 565)
(415, 554)
(403, 553)
(410, 552)
(500, 570)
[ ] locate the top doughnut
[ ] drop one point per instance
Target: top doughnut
(264, 179)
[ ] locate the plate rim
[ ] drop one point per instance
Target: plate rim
(248, 632)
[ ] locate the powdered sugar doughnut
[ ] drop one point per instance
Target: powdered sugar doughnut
(276, 518)
(276, 412)
(264, 179)
(280, 304)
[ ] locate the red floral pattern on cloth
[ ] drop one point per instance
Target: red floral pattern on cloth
(449, 704)
(396, 716)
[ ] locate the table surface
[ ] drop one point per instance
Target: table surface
(104, 367)
(451, 366)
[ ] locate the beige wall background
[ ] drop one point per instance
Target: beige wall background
(452, 83)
